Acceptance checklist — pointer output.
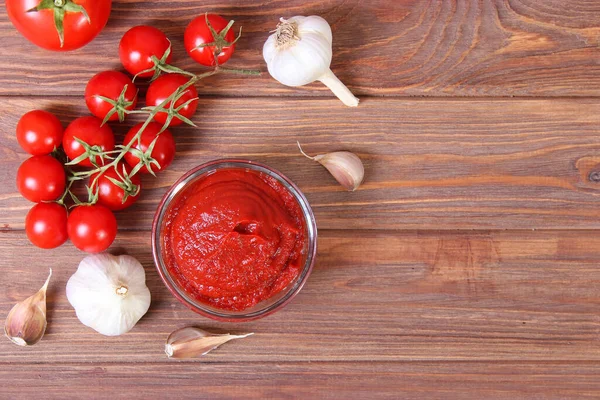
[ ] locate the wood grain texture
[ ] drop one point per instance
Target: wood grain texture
(467, 264)
(487, 164)
(381, 47)
(373, 297)
(413, 380)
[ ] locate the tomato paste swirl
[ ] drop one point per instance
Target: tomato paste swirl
(234, 238)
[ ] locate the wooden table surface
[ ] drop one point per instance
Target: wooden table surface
(466, 266)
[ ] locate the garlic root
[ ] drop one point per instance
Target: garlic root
(26, 323)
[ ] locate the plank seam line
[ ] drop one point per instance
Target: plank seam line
(474, 231)
(316, 97)
(349, 361)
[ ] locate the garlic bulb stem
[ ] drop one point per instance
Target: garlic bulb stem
(339, 89)
(122, 290)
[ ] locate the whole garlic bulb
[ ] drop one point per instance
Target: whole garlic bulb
(299, 53)
(109, 293)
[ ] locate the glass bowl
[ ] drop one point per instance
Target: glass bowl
(264, 307)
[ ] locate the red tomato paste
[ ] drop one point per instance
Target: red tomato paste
(234, 238)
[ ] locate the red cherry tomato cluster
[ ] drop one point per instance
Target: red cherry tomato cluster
(41, 179)
(88, 142)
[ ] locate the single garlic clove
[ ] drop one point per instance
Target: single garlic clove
(193, 342)
(344, 166)
(26, 322)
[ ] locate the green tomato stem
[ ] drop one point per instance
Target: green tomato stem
(172, 112)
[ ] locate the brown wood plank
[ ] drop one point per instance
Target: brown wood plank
(413, 380)
(373, 296)
(381, 47)
(482, 164)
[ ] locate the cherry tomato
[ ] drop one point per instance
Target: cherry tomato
(137, 47)
(92, 228)
(162, 88)
(91, 131)
(197, 33)
(163, 151)
(109, 84)
(111, 195)
(41, 178)
(46, 225)
(39, 26)
(39, 132)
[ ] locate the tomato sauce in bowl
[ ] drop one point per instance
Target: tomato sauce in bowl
(234, 240)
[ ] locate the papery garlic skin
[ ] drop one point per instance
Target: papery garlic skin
(344, 166)
(109, 293)
(26, 323)
(300, 52)
(193, 342)
(300, 61)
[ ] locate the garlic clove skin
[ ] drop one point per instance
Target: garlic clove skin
(300, 52)
(109, 293)
(344, 166)
(191, 342)
(26, 323)
(315, 24)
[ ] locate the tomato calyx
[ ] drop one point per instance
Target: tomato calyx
(124, 182)
(59, 8)
(219, 41)
(145, 157)
(90, 152)
(173, 111)
(161, 65)
(120, 106)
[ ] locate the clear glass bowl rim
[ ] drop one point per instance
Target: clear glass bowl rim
(224, 315)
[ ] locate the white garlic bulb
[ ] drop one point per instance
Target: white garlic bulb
(109, 293)
(299, 53)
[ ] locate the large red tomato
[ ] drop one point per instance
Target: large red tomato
(82, 20)
(163, 87)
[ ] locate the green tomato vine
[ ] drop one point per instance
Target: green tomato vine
(111, 159)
